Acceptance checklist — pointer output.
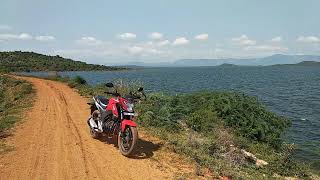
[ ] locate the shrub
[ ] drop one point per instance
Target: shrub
(75, 82)
(285, 165)
(203, 120)
(205, 110)
(79, 80)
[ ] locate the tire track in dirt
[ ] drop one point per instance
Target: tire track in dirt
(70, 121)
(71, 125)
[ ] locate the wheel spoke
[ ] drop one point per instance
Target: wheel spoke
(127, 139)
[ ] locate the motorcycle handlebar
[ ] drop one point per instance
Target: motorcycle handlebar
(144, 95)
(133, 96)
(114, 94)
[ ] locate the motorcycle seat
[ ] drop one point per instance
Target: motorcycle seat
(103, 101)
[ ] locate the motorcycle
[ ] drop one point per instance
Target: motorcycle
(114, 117)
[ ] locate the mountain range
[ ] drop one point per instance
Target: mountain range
(265, 61)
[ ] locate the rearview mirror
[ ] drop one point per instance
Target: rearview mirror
(140, 89)
(110, 85)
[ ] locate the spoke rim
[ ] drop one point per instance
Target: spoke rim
(126, 139)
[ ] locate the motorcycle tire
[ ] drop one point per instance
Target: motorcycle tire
(133, 133)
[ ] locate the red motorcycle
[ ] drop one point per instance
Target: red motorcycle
(114, 117)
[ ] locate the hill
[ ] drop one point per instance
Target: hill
(227, 65)
(303, 63)
(265, 61)
(18, 61)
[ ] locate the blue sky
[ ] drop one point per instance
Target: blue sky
(158, 31)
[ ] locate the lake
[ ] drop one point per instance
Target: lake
(293, 92)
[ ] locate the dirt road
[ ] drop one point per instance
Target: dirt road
(53, 142)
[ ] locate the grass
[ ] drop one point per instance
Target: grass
(5, 148)
(212, 128)
(14, 97)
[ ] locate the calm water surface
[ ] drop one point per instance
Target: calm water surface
(293, 92)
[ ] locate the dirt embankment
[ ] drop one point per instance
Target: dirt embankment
(53, 142)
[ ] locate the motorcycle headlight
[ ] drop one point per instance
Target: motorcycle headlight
(129, 106)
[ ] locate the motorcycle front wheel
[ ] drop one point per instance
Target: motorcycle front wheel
(127, 140)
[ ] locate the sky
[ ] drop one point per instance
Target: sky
(109, 32)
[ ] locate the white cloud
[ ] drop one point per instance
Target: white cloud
(201, 37)
(163, 43)
(143, 51)
(153, 44)
(153, 51)
(268, 48)
(308, 39)
(127, 36)
(276, 39)
(180, 41)
(22, 36)
(149, 43)
(90, 41)
(243, 40)
(135, 50)
(156, 35)
(5, 27)
(84, 54)
(218, 50)
(25, 36)
(45, 38)
(106, 53)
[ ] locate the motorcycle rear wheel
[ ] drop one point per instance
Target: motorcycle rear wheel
(127, 140)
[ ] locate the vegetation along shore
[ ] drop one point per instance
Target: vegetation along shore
(15, 97)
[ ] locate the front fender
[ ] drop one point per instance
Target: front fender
(127, 123)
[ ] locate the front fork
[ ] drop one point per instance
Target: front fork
(126, 123)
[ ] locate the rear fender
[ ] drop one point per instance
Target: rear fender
(127, 123)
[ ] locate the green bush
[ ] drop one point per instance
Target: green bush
(205, 110)
(79, 80)
(76, 82)
(285, 164)
(203, 120)
(7, 122)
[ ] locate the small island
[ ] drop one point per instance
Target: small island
(227, 65)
